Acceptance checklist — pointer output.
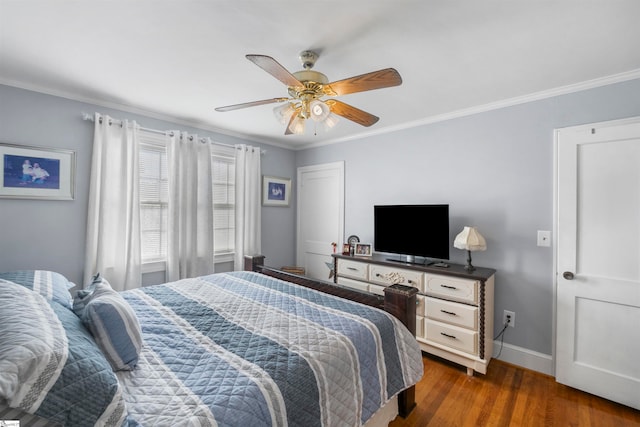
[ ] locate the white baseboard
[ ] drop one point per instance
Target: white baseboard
(524, 357)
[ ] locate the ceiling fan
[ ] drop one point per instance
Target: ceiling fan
(308, 87)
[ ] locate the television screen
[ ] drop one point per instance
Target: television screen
(414, 230)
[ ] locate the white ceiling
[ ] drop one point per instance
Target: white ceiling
(181, 59)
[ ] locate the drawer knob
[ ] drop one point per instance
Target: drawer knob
(567, 275)
(448, 336)
(449, 287)
(352, 268)
(449, 312)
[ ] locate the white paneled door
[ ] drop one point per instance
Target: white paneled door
(320, 216)
(598, 260)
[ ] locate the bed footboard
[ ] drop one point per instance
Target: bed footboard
(398, 300)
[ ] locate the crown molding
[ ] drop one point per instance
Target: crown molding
(134, 110)
(550, 93)
(537, 96)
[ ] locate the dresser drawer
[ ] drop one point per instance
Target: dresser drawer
(451, 287)
(353, 284)
(353, 269)
(452, 313)
(452, 336)
(376, 289)
(387, 276)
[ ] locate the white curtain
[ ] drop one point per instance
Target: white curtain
(113, 222)
(248, 227)
(190, 221)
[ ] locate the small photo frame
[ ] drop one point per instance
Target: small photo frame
(363, 249)
(275, 191)
(36, 172)
(346, 249)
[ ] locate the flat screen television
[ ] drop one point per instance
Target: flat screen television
(412, 230)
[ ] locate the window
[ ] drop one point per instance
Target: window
(224, 190)
(154, 195)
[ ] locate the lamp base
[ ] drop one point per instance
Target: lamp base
(469, 267)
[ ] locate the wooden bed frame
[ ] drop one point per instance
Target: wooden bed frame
(398, 300)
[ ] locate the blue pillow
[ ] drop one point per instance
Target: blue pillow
(112, 322)
(51, 285)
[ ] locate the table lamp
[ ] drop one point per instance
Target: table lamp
(470, 239)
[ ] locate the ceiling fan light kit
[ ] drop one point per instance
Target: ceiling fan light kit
(283, 112)
(307, 87)
(297, 125)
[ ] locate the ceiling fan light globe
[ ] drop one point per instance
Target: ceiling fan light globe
(297, 125)
(330, 122)
(283, 113)
(319, 111)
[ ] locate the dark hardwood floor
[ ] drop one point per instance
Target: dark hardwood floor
(507, 395)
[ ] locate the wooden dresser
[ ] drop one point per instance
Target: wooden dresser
(454, 316)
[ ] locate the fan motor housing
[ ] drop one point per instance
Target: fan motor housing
(313, 88)
(311, 76)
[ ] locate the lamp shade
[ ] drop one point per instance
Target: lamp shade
(330, 121)
(283, 112)
(319, 110)
(297, 125)
(470, 239)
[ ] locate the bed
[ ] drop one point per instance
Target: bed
(249, 348)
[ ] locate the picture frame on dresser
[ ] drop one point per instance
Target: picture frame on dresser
(363, 249)
(29, 172)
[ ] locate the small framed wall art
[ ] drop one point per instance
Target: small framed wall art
(363, 249)
(36, 172)
(275, 191)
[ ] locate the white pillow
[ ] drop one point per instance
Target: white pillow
(33, 348)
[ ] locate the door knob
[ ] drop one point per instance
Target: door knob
(567, 275)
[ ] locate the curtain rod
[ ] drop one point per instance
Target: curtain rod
(89, 117)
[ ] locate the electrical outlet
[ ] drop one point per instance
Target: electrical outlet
(509, 317)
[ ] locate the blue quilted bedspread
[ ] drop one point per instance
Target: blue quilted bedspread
(244, 349)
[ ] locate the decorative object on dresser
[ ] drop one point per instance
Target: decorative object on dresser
(346, 249)
(352, 240)
(454, 314)
(470, 239)
(363, 249)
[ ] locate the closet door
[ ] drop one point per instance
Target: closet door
(320, 221)
(598, 260)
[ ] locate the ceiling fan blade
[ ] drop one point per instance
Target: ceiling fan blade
(370, 81)
(274, 68)
(250, 104)
(352, 113)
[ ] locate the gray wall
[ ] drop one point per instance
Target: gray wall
(495, 170)
(37, 234)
